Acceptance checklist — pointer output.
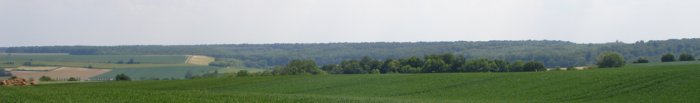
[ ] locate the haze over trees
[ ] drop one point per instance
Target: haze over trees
(550, 52)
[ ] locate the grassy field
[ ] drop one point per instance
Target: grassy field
(236, 69)
(85, 64)
(666, 63)
(666, 83)
(5, 54)
(169, 59)
(158, 72)
(33, 68)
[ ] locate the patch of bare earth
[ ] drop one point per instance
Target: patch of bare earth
(64, 72)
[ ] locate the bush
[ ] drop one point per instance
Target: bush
(668, 57)
(242, 73)
(122, 77)
(45, 78)
(571, 67)
(195, 77)
(72, 79)
(610, 59)
(686, 57)
(641, 60)
(534, 66)
(558, 68)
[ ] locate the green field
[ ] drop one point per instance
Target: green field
(236, 69)
(85, 64)
(668, 83)
(158, 72)
(169, 59)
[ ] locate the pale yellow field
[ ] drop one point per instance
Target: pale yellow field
(32, 68)
(199, 59)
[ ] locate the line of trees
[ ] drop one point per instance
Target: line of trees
(550, 52)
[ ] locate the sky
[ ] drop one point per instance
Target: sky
(190, 22)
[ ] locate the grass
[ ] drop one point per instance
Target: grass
(169, 59)
(665, 63)
(85, 64)
(236, 69)
(33, 68)
(5, 54)
(158, 72)
(665, 83)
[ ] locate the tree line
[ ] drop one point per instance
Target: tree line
(550, 52)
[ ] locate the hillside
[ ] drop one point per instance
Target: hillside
(551, 52)
(634, 83)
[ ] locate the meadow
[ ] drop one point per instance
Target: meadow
(158, 72)
(159, 59)
(634, 83)
(236, 69)
(19, 63)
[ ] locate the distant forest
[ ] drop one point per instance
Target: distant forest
(550, 52)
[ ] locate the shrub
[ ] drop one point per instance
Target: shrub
(668, 57)
(195, 77)
(45, 78)
(610, 59)
(558, 68)
(686, 57)
(641, 60)
(571, 67)
(72, 79)
(534, 66)
(122, 77)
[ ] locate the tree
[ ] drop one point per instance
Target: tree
(3, 72)
(45, 78)
(517, 66)
(571, 67)
(534, 66)
(610, 59)
(27, 64)
(195, 77)
(131, 61)
(558, 68)
(375, 71)
(120, 62)
(89, 66)
(668, 57)
(242, 73)
(122, 77)
(641, 60)
(189, 74)
(686, 57)
(72, 79)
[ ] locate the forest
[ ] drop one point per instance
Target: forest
(550, 52)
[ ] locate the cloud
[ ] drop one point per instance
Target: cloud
(129, 22)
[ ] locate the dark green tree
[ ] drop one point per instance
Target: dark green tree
(120, 62)
(641, 60)
(122, 77)
(517, 66)
(668, 57)
(72, 79)
(686, 57)
(571, 67)
(534, 66)
(45, 78)
(89, 66)
(610, 59)
(243, 73)
(131, 61)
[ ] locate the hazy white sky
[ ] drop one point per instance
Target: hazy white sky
(173, 22)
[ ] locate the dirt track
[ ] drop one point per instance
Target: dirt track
(64, 72)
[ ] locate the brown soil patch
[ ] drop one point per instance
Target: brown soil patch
(64, 72)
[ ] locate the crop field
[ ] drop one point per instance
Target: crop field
(169, 59)
(33, 68)
(236, 69)
(668, 83)
(5, 54)
(159, 72)
(85, 64)
(64, 72)
(200, 59)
